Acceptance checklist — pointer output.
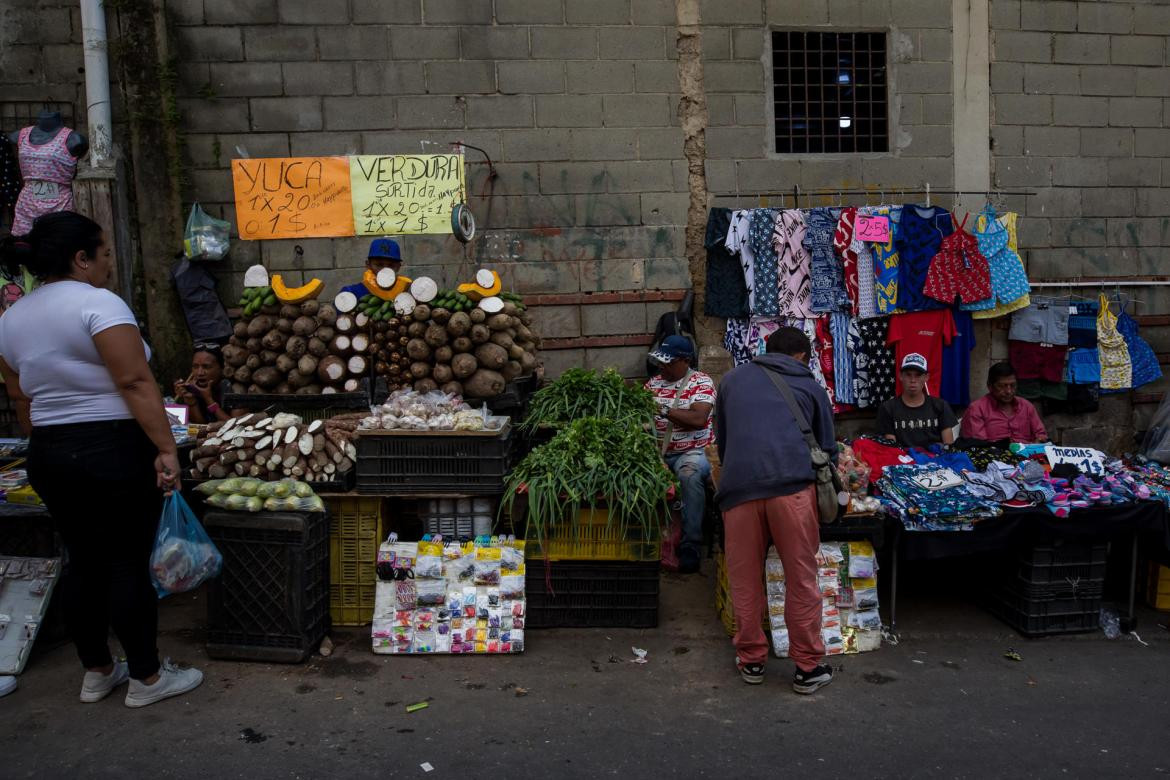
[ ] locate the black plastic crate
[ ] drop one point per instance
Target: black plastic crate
(1035, 618)
(309, 407)
(1061, 564)
(271, 602)
(408, 463)
(595, 594)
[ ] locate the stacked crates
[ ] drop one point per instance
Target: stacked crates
(1051, 587)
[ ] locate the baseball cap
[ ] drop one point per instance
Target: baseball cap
(672, 348)
(915, 361)
(385, 248)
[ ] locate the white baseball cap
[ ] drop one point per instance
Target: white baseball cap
(914, 360)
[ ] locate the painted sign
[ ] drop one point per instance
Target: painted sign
(405, 193)
(293, 197)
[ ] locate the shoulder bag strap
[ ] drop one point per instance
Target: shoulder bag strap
(797, 412)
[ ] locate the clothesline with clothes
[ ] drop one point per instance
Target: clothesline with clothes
(866, 304)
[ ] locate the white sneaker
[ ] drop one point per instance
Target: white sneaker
(172, 681)
(97, 686)
(7, 684)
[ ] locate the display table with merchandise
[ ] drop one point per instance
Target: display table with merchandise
(1133, 522)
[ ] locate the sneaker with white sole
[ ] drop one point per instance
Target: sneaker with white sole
(752, 674)
(172, 681)
(808, 682)
(7, 684)
(97, 686)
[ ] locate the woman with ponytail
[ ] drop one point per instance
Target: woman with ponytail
(101, 451)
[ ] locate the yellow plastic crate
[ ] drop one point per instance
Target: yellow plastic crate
(355, 533)
(1158, 587)
(593, 538)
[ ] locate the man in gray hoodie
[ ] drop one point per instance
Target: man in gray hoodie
(767, 493)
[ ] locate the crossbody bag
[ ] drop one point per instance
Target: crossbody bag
(827, 480)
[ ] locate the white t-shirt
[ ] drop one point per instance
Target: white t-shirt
(737, 243)
(47, 338)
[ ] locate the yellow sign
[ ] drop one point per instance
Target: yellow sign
(407, 193)
(293, 197)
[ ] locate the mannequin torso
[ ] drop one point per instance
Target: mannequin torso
(48, 124)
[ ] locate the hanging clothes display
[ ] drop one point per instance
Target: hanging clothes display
(737, 340)
(48, 170)
(920, 235)
(886, 261)
(866, 304)
(739, 243)
(9, 175)
(1082, 324)
(1116, 368)
(828, 285)
(959, 270)
(843, 245)
(766, 280)
(1009, 282)
(793, 265)
(843, 372)
(924, 332)
(1008, 223)
(1142, 358)
(1042, 321)
(874, 371)
(955, 388)
(1037, 361)
(823, 338)
(727, 294)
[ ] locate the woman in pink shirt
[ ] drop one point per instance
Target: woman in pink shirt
(1000, 414)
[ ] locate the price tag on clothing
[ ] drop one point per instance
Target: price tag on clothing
(871, 227)
(1088, 460)
(937, 479)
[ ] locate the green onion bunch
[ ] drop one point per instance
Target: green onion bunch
(582, 393)
(593, 463)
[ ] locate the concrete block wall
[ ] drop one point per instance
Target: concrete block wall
(575, 104)
(1081, 118)
(740, 146)
(41, 55)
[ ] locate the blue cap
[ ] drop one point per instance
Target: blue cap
(672, 348)
(385, 248)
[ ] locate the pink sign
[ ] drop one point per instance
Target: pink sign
(871, 227)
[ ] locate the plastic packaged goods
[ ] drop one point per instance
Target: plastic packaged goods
(449, 597)
(862, 562)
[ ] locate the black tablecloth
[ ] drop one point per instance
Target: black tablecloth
(1147, 518)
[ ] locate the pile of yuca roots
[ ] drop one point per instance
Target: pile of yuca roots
(296, 345)
(282, 445)
(469, 342)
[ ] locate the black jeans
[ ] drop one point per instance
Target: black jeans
(98, 482)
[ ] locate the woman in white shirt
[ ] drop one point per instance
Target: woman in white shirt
(100, 449)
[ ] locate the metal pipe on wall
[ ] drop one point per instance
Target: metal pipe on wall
(97, 83)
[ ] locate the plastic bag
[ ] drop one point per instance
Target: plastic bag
(184, 555)
(206, 238)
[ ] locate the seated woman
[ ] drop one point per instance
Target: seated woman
(202, 391)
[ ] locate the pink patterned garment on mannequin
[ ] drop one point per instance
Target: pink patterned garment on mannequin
(47, 170)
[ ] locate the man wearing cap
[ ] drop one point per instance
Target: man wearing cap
(384, 253)
(683, 424)
(915, 419)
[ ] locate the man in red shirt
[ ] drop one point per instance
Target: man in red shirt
(1000, 414)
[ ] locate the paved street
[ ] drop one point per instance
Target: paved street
(944, 702)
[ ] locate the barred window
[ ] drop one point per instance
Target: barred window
(830, 91)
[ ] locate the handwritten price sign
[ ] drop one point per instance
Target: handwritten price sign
(403, 194)
(293, 197)
(1086, 459)
(871, 227)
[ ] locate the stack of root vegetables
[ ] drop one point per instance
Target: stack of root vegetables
(282, 445)
(297, 348)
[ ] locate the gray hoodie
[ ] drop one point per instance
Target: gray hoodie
(760, 446)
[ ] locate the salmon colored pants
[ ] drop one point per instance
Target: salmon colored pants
(791, 524)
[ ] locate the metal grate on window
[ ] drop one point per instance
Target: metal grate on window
(830, 92)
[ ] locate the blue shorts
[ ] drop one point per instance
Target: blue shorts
(1084, 366)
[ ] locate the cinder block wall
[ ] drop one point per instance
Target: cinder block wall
(575, 104)
(41, 55)
(1081, 117)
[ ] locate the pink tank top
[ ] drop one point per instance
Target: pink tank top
(47, 170)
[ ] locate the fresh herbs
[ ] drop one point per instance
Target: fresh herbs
(580, 393)
(592, 463)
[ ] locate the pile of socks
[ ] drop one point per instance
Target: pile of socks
(1085, 492)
